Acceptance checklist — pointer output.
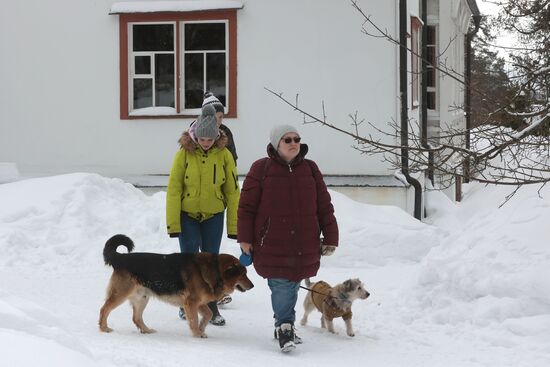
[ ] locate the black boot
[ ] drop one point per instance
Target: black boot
(217, 319)
(285, 334)
(297, 339)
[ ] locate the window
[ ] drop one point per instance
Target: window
(168, 61)
(416, 28)
(431, 47)
(152, 61)
(204, 60)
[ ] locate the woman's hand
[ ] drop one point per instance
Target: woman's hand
(246, 247)
(327, 250)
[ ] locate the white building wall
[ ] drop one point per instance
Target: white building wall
(315, 49)
(59, 96)
(451, 19)
(451, 39)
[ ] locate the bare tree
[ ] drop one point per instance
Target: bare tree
(497, 155)
(529, 22)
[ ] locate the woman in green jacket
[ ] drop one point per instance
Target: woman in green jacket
(202, 184)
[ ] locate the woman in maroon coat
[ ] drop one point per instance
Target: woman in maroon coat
(283, 210)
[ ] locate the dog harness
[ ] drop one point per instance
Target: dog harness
(327, 304)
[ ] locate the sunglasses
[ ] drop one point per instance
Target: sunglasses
(289, 140)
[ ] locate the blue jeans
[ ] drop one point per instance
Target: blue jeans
(205, 236)
(284, 294)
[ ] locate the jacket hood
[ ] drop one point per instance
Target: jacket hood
(272, 153)
(187, 143)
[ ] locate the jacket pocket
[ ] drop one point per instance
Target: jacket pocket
(221, 197)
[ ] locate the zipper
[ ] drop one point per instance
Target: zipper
(214, 173)
(265, 230)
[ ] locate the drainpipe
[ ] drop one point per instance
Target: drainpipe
(424, 91)
(404, 110)
(468, 79)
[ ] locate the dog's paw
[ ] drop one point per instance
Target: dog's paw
(106, 329)
(351, 333)
(148, 331)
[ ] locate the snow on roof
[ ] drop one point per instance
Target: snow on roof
(173, 6)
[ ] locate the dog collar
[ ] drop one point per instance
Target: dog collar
(337, 303)
(343, 297)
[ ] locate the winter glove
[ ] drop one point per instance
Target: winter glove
(174, 235)
(327, 250)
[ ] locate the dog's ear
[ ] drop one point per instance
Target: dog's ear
(234, 271)
(348, 285)
(209, 273)
(230, 267)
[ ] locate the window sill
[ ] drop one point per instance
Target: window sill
(153, 112)
(158, 113)
(165, 113)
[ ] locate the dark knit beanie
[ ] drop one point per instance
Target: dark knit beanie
(207, 126)
(210, 99)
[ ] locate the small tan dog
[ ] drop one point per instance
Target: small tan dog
(333, 302)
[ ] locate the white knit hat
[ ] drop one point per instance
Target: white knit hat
(210, 99)
(278, 132)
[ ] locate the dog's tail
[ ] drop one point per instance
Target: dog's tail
(109, 251)
(308, 282)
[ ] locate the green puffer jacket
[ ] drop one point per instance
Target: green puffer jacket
(202, 184)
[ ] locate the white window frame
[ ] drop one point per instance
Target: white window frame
(126, 64)
(131, 65)
(435, 89)
(416, 61)
(183, 52)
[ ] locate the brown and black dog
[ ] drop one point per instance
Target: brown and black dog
(184, 280)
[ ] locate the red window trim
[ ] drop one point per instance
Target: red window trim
(124, 19)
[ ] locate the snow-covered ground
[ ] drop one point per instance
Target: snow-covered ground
(472, 288)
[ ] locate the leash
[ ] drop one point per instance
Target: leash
(331, 300)
(322, 294)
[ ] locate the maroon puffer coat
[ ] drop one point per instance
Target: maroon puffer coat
(282, 211)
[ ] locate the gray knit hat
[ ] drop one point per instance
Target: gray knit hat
(207, 126)
(210, 99)
(278, 132)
